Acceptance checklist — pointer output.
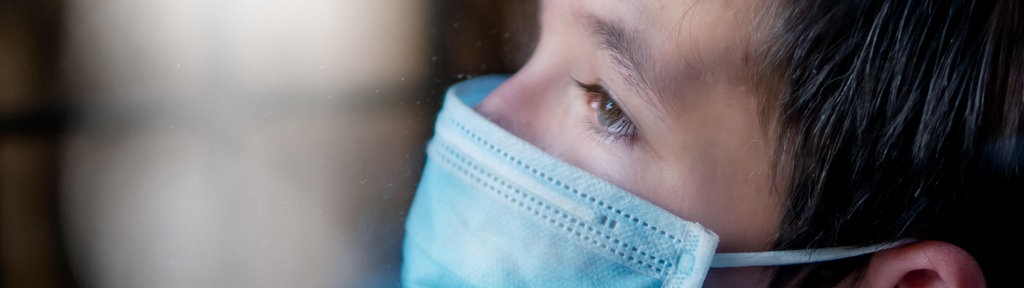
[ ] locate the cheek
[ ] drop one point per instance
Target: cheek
(714, 169)
(731, 201)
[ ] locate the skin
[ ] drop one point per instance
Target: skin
(700, 151)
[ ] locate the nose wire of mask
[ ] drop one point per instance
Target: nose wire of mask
(493, 210)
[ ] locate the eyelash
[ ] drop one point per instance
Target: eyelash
(613, 125)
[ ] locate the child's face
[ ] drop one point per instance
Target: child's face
(680, 125)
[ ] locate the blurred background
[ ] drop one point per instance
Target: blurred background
(226, 143)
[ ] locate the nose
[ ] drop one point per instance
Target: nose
(517, 105)
(500, 106)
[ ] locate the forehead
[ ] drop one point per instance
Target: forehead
(687, 38)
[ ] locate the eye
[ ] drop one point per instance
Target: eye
(612, 122)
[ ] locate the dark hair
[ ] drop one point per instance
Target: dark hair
(900, 119)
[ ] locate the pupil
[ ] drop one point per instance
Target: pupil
(609, 115)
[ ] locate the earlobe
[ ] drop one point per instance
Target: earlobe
(923, 264)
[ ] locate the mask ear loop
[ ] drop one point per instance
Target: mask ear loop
(804, 256)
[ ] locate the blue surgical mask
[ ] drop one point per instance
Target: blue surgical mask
(492, 210)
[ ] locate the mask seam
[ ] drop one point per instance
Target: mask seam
(570, 224)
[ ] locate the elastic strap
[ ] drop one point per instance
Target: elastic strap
(789, 257)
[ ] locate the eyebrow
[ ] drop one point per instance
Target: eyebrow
(629, 54)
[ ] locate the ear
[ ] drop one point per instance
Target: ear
(924, 264)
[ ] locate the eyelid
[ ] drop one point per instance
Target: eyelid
(599, 87)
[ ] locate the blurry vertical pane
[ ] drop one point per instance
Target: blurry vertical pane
(27, 253)
(15, 66)
(30, 241)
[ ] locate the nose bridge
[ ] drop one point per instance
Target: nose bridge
(509, 105)
(527, 104)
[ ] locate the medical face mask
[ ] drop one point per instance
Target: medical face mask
(492, 210)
